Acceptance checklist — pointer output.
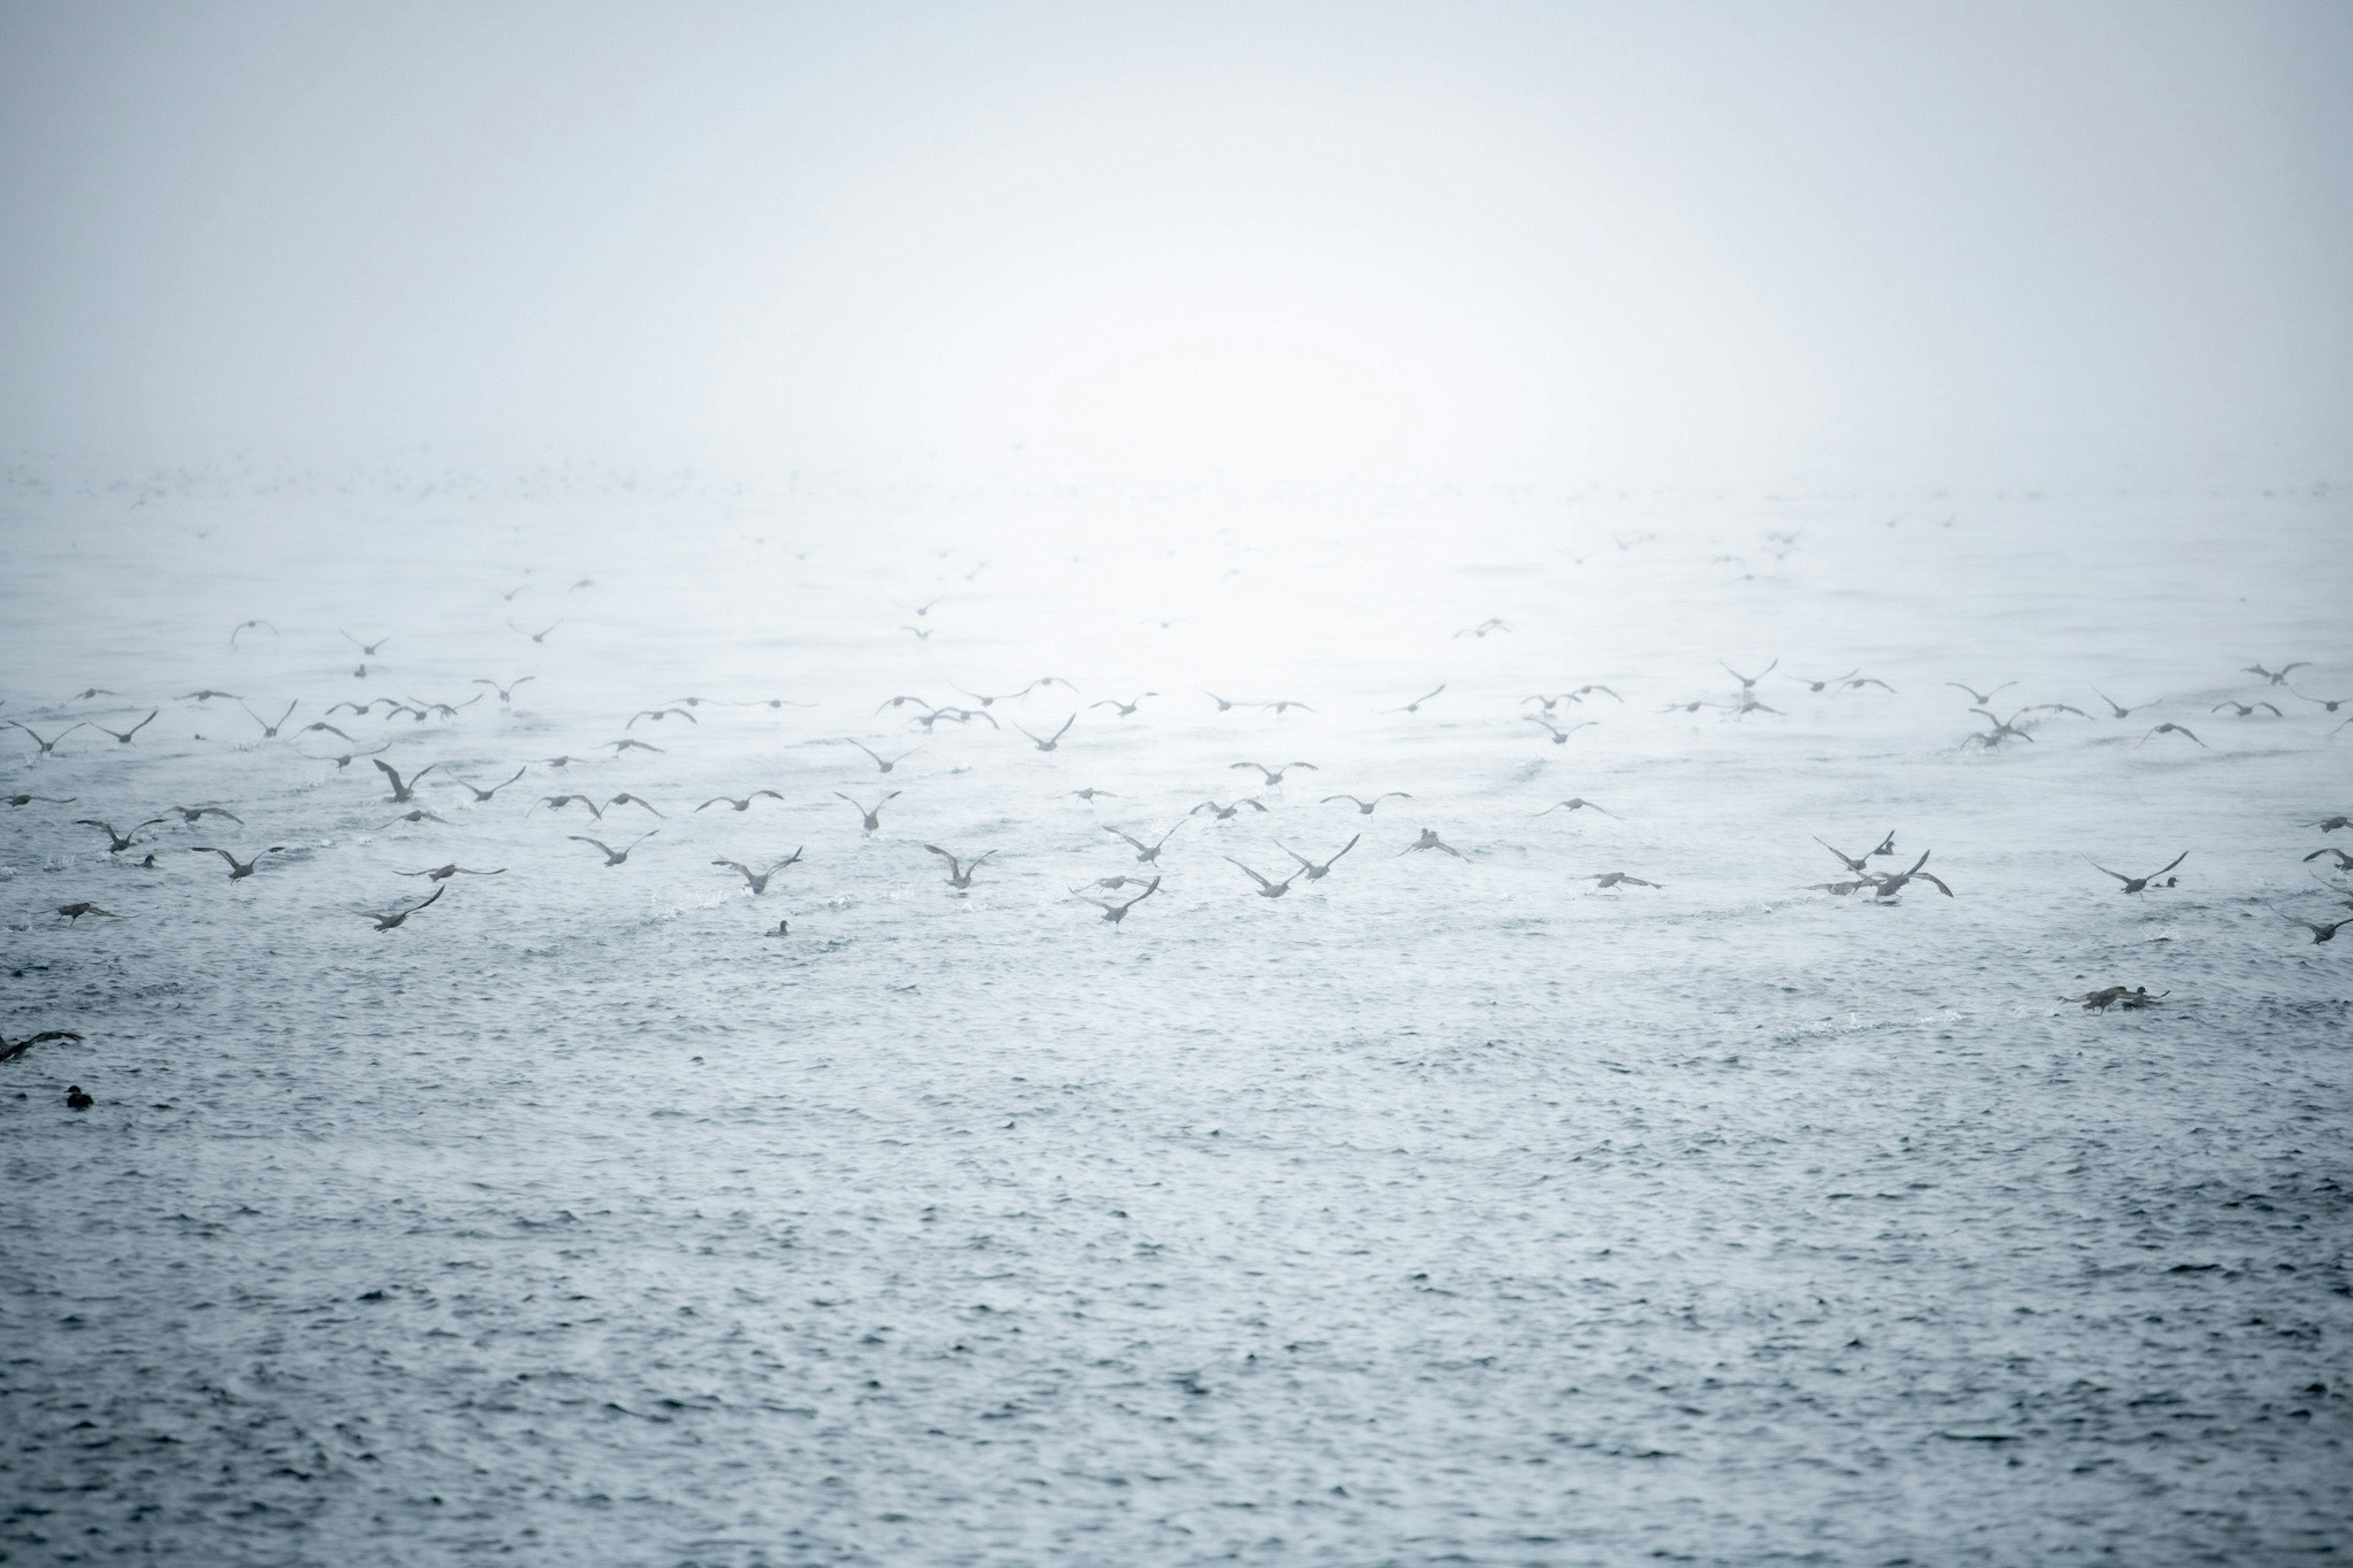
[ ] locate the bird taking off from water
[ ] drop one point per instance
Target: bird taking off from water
(2134, 884)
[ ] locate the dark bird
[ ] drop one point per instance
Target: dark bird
(1575, 803)
(1861, 682)
(76, 1100)
(368, 650)
(1226, 813)
(959, 872)
(902, 700)
(872, 816)
(887, 763)
(1813, 685)
(116, 843)
(483, 797)
(1089, 793)
(1492, 623)
(418, 814)
(1114, 883)
(124, 735)
(1415, 706)
(506, 693)
(1431, 840)
(2344, 861)
(1365, 807)
(49, 745)
(538, 636)
(402, 791)
(269, 730)
(45, 799)
(1888, 885)
(1047, 742)
(2056, 707)
(659, 714)
(1274, 776)
(1981, 697)
(2169, 728)
(2116, 708)
(2320, 933)
(626, 798)
(391, 922)
(614, 857)
(2004, 730)
(1749, 682)
(2277, 677)
(2108, 996)
(207, 695)
(2331, 823)
(2331, 704)
(239, 870)
(1146, 853)
(1315, 873)
(70, 913)
(957, 716)
(758, 880)
(1118, 912)
(1858, 864)
(1224, 705)
(1560, 736)
(443, 873)
(1283, 705)
(2134, 884)
(1694, 706)
(1267, 889)
(2245, 709)
(446, 710)
(11, 1049)
(558, 802)
(1125, 710)
(743, 805)
(321, 726)
(629, 745)
(244, 626)
(1614, 878)
(923, 633)
(85, 695)
(584, 582)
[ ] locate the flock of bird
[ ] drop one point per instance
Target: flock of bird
(613, 818)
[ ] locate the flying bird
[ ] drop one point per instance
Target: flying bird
(1125, 710)
(1749, 682)
(368, 650)
(613, 856)
(872, 816)
(1146, 853)
(443, 873)
(2134, 884)
(1431, 840)
(1575, 803)
(244, 626)
(482, 797)
(49, 745)
(1981, 697)
(11, 1049)
(392, 922)
(506, 693)
(1274, 776)
(1266, 888)
(1315, 873)
(2277, 677)
(1415, 706)
(1118, 912)
(2169, 728)
(1560, 736)
(72, 913)
(538, 636)
(959, 871)
(403, 790)
(1615, 878)
(269, 730)
(1365, 807)
(887, 763)
(239, 870)
(743, 805)
(1890, 884)
(116, 843)
(1047, 743)
(758, 880)
(123, 736)
(626, 798)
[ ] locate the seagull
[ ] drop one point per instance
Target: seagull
(2320, 933)
(1492, 623)
(86, 695)
(244, 626)
(49, 745)
(902, 700)
(1284, 705)
(626, 798)
(1049, 743)
(873, 816)
(207, 695)
(2134, 884)
(1274, 776)
(1431, 840)
(1560, 736)
(2059, 708)
(2331, 823)
(482, 797)
(124, 735)
(1126, 710)
(1267, 889)
(2116, 708)
(11, 1049)
(443, 873)
(1861, 682)
(2344, 861)
(402, 791)
(2331, 704)
(887, 763)
(613, 856)
(584, 582)
(2003, 729)
(2246, 710)
(1315, 873)
(319, 726)
(1226, 813)
(1581, 692)
(1114, 883)
(659, 714)
(1146, 853)
(1891, 884)
(1981, 697)
(1858, 864)
(539, 637)
(1224, 704)
(269, 730)
(2108, 996)
(1118, 912)
(71, 914)
(418, 814)
(388, 923)
(1749, 682)
(2168, 727)
(625, 744)
(920, 611)
(1365, 807)
(239, 870)
(45, 799)
(955, 716)
(758, 880)
(743, 805)
(2277, 677)
(1415, 706)
(558, 802)
(1575, 803)
(1089, 793)
(116, 842)
(368, 650)
(508, 594)
(1813, 685)
(506, 693)
(1613, 878)
(923, 633)
(1694, 706)
(985, 702)
(959, 872)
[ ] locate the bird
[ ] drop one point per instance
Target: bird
(207, 695)
(584, 582)
(758, 880)
(1225, 704)
(1125, 710)
(1047, 742)
(1560, 736)
(45, 799)
(783, 928)
(955, 716)
(123, 736)
(1981, 697)
(506, 693)
(482, 797)
(538, 636)
(116, 843)
(1749, 682)
(71, 914)
(11, 1049)
(2330, 703)
(2331, 823)
(508, 594)
(1580, 694)
(558, 802)
(659, 714)
(1146, 853)
(887, 763)
(2277, 677)
(1813, 685)
(1858, 864)
(923, 633)
(1859, 682)
(1608, 880)
(1089, 793)
(269, 730)
(1886, 845)
(443, 873)
(76, 1098)
(874, 815)
(244, 626)
(2057, 708)
(2134, 884)
(902, 700)
(1365, 807)
(86, 694)
(1284, 705)
(319, 726)
(1694, 706)
(743, 805)
(1431, 840)
(2108, 996)
(2246, 710)
(2116, 708)
(1492, 623)
(984, 700)
(368, 650)
(2169, 728)
(1118, 912)
(390, 922)
(1226, 813)
(920, 611)
(2004, 730)
(1892, 883)
(1415, 706)
(959, 872)
(1575, 803)
(418, 814)
(403, 790)
(626, 798)
(2344, 861)
(1316, 873)
(613, 856)
(239, 870)
(49, 745)
(1114, 883)
(625, 744)
(1274, 776)
(1267, 889)
(2320, 932)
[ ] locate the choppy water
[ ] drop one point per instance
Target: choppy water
(1440, 1210)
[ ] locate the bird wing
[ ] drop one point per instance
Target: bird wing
(2153, 876)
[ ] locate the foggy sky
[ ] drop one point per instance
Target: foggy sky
(1141, 244)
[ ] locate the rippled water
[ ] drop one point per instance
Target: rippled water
(1440, 1210)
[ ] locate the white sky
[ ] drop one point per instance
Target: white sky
(1298, 244)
